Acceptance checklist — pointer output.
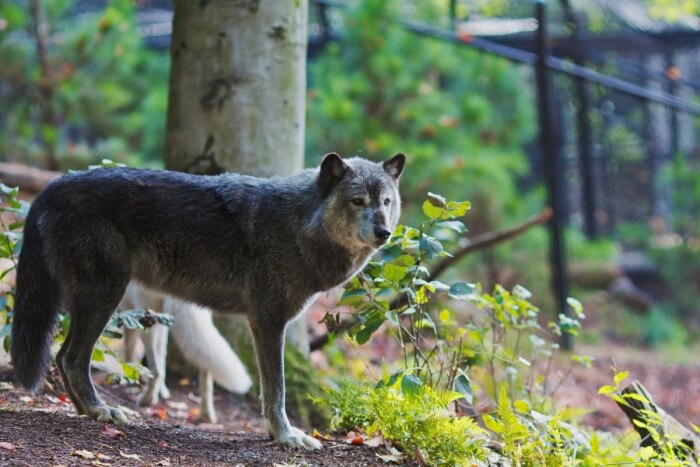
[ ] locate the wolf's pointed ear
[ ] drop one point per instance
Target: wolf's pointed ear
(333, 169)
(394, 166)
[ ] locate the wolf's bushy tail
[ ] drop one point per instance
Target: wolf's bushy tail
(202, 344)
(35, 310)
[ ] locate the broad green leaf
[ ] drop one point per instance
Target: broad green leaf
(457, 209)
(461, 290)
(393, 272)
(430, 246)
(437, 200)
(98, 355)
(404, 260)
(457, 226)
(619, 377)
(576, 305)
(463, 386)
(431, 211)
(607, 389)
(411, 385)
(353, 297)
(647, 453)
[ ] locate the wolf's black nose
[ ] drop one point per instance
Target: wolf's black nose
(381, 233)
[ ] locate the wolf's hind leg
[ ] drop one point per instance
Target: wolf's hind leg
(64, 377)
(206, 393)
(91, 307)
(156, 342)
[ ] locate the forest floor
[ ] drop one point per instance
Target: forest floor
(44, 429)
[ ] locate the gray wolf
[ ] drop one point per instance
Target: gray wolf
(201, 344)
(231, 243)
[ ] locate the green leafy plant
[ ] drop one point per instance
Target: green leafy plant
(412, 416)
(503, 356)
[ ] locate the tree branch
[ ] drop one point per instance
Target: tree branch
(480, 242)
(489, 239)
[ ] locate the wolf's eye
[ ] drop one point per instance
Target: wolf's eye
(358, 201)
(387, 202)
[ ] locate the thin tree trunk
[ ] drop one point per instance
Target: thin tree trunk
(237, 102)
(46, 86)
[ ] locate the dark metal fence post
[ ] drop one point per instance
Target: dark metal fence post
(552, 164)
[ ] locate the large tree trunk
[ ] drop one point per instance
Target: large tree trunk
(237, 102)
(237, 87)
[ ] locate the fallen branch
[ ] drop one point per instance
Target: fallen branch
(28, 179)
(685, 441)
(480, 242)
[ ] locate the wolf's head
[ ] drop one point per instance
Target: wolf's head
(362, 199)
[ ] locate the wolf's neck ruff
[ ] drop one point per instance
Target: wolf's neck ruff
(231, 243)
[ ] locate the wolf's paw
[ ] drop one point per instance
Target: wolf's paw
(107, 414)
(148, 398)
(297, 439)
(208, 415)
(164, 392)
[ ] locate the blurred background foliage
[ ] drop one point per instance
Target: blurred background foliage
(95, 93)
(78, 85)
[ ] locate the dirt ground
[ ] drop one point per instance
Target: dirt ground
(45, 430)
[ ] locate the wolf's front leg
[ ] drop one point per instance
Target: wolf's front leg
(269, 348)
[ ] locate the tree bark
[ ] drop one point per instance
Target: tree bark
(237, 87)
(237, 103)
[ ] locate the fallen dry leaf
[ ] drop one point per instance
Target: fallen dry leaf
(63, 397)
(104, 457)
(375, 441)
(5, 386)
(26, 399)
(164, 462)
(353, 438)
(136, 457)
(393, 456)
(160, 413)
(8, 446)
(321, 437)
(194, 414)
(85, 454)
(99, 463)
(177, 405)
(107, 430)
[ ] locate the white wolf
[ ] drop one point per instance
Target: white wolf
(200, 342)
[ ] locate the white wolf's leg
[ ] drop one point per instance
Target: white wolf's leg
(269, 347)
(206, 392)
(131, 340)
(156, 342)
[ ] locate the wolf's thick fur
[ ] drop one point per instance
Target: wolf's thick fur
(201, 343)
(232, 243)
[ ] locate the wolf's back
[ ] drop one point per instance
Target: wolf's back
(36, 307)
